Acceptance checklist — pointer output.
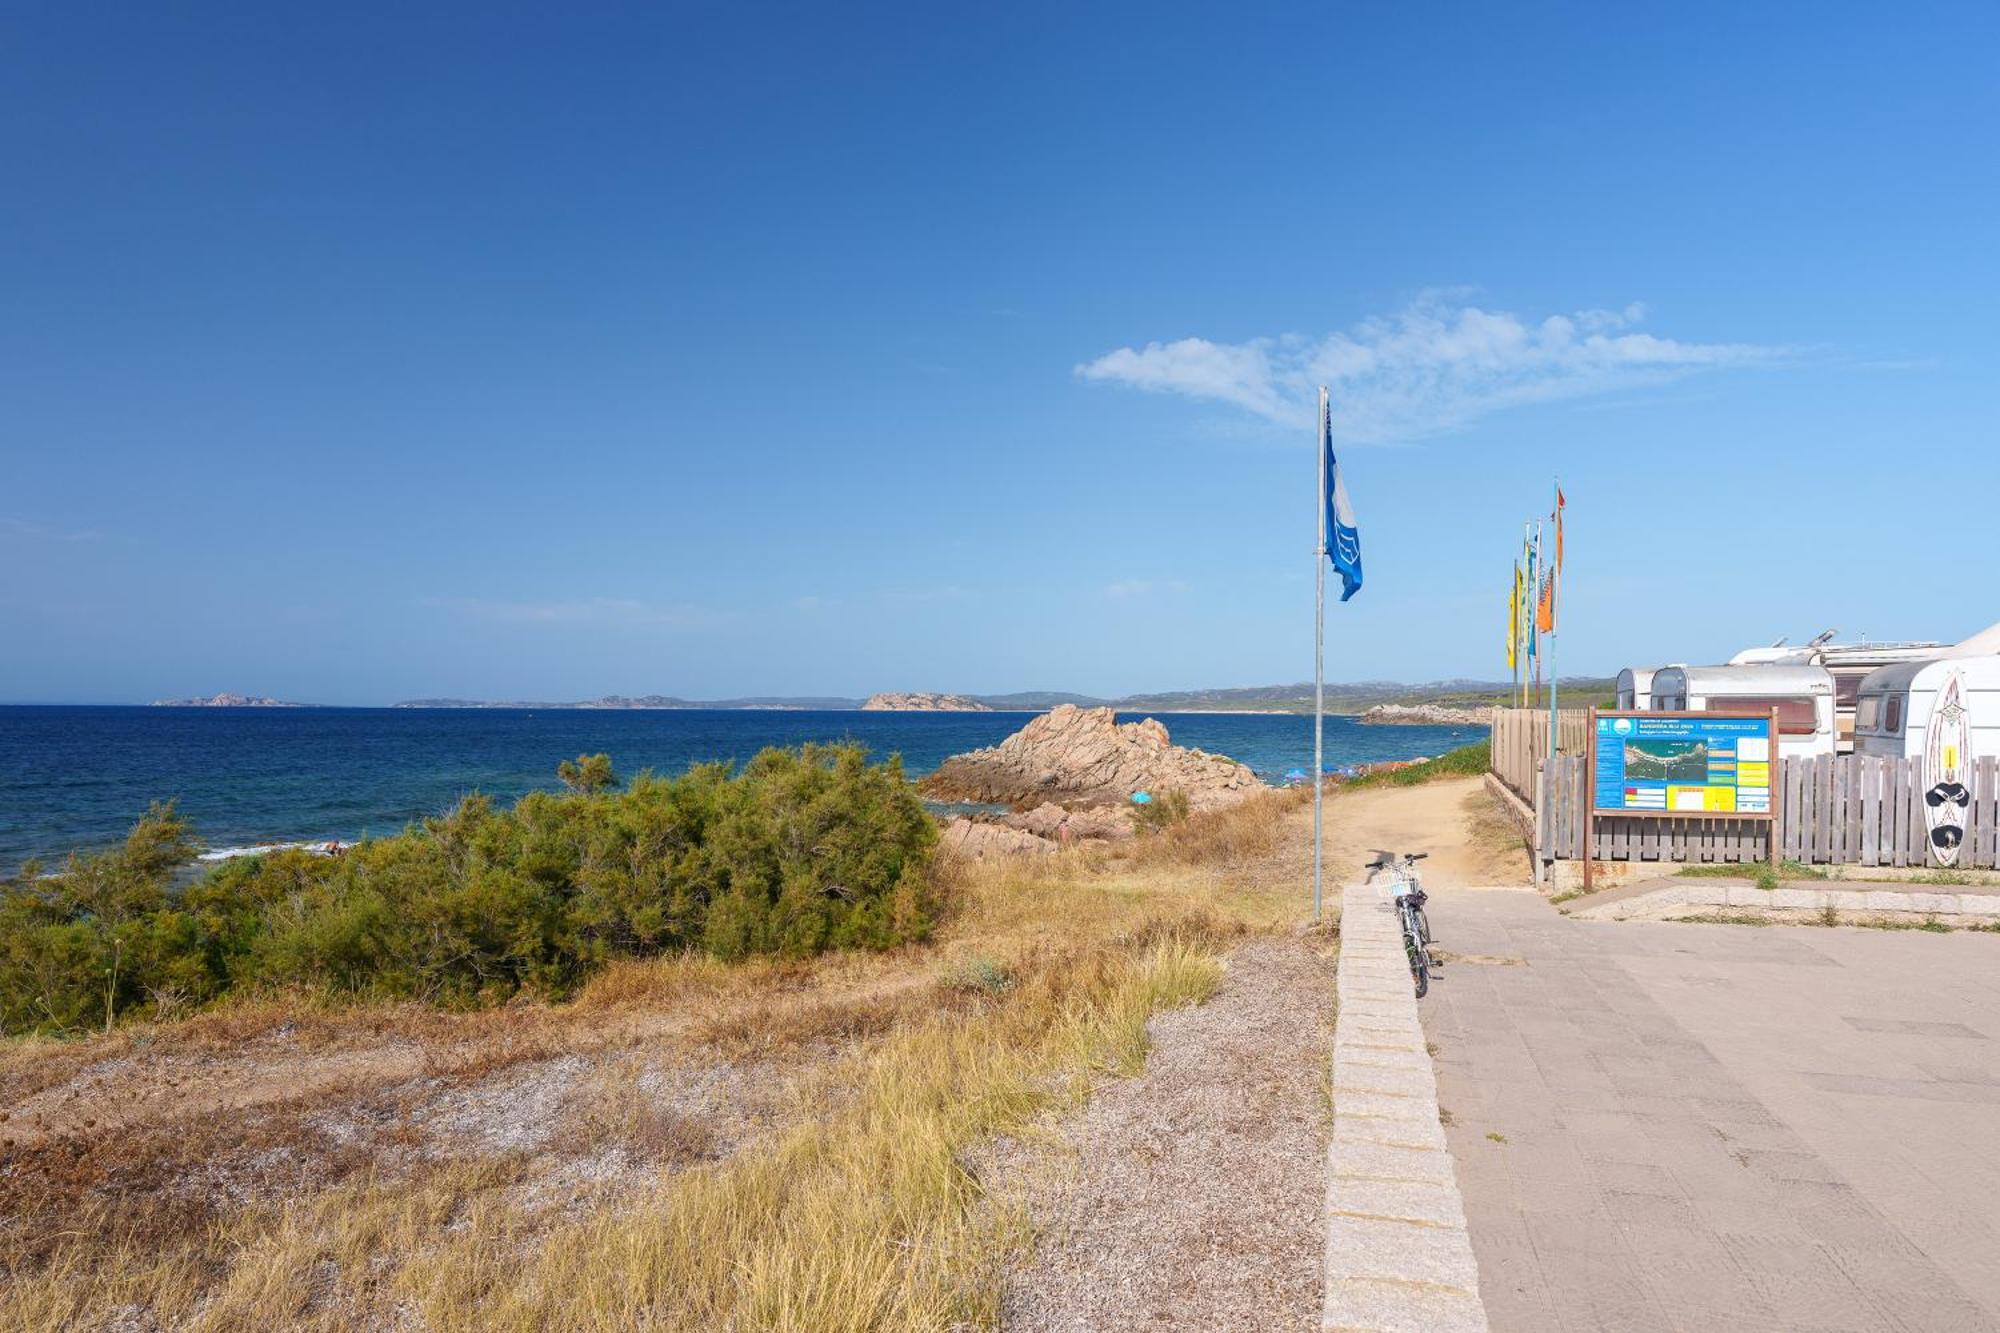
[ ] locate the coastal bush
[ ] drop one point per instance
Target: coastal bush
(801, 851)
(1467, 761)
(1165, 810)
(587, 773)
(102, 935)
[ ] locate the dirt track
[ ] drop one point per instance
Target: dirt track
(1192, 1196)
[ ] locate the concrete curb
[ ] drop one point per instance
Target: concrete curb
(1975, 907)
(1398, 1255)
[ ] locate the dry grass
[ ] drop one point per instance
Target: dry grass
(828, 1190)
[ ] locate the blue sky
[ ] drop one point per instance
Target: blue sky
(353, 354)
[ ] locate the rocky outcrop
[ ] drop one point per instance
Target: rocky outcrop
(1063, 825)
(1428, 715)
(978, 839)
(1084, 756)
(915, 702)
(224, 701)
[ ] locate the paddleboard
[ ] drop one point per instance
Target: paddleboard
(1947, 771)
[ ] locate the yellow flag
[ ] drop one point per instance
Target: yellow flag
(1514, 618)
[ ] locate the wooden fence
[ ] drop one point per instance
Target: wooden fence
(1832, 810)
(1521, 743)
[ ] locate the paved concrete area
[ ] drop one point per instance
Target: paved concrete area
(1852, 900)
(1397, 1253)
(1665, 1125)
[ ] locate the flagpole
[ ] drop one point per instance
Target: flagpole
(1555, 578)
(1319, 652)
(1534, 616)
(1527, 619)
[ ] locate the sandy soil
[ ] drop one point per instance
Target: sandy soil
(1196, 1196)
(1193, 1195)
(1195, 1202)
(1471, 844)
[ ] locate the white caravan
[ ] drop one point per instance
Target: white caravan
(1893, 716)
(1635, 688)
(1945, 715)
(1803, 696)
(1848, 663)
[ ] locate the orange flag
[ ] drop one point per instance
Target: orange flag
(1559, 529)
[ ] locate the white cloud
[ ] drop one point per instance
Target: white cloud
(1435, 366)
(577, 611)
(1124, 589)
(20, 527)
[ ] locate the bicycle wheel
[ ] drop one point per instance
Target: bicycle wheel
(1420, 963)
(1423, 926)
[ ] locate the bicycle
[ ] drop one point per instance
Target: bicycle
(1410, 913)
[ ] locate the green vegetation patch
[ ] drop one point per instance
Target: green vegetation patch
(800, 851)
(1468, 761)
(1758, 872)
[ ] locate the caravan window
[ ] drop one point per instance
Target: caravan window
(1796, 716)
(1867, 712)
(1892, 716)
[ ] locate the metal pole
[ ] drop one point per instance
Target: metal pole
(1527, 617)
(1534, 614)
(1319, 654)
(1555, 590)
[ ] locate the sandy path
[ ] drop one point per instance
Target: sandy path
(1456, 821)
(1198, 1197)
(1196, 1193)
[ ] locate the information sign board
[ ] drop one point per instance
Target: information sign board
(1684, 764)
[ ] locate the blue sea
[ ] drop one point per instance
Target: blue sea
(78, 777)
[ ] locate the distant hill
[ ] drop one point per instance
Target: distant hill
(1038, 701)
(1352, 697)
(226, 700)
(1347, 697)
(827, 703)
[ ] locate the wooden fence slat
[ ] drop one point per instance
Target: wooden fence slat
(1579, 810)
(1892, 816)
(1871, 811)
(1984, 789)
(1913, 814)
(1789, 807)
(1905, 813)
(1864, 810)
(1808, 810)
(1856, 787)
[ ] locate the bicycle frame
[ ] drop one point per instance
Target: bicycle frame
(1416, 926)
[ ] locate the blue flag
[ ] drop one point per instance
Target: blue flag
(1343, 539)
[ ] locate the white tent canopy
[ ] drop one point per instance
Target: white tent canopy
(1983, 644)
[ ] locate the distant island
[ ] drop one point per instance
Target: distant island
(643, 701)
(226, 701)
(908, 702)
(1353, 698)
(1429, 715)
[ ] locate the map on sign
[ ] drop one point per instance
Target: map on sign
(1668, 764)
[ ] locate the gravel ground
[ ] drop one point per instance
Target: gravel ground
(1198, 1192)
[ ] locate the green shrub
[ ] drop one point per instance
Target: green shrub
(587, 773)
(1468, 761)
(803, 850)
(1166, 809)
(102, 935)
